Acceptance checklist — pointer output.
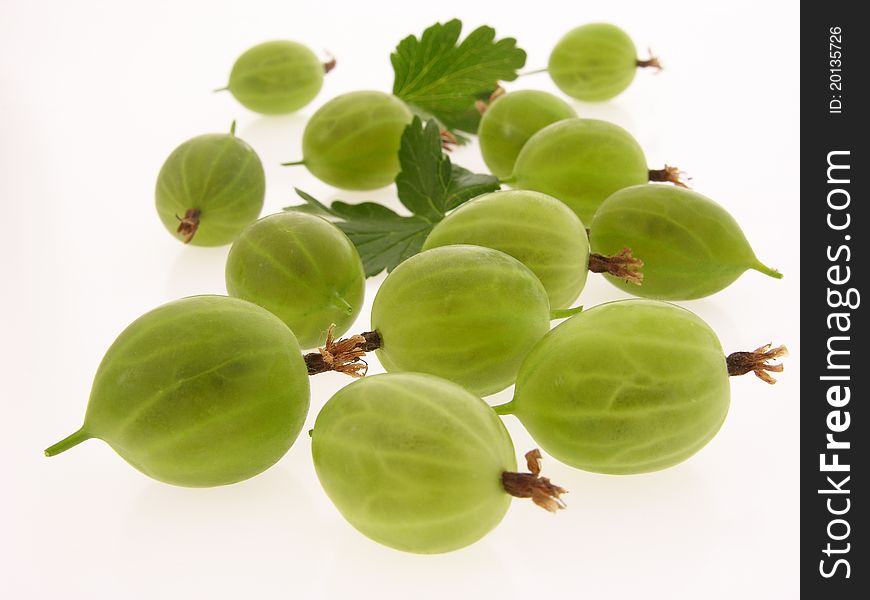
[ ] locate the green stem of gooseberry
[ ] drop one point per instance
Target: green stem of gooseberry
(233, 128)
(533, 72)
(504, 409)
(564, 313)
(293, 163)
(508, 180)
(68, 442)
(762, 268)
(223, 89)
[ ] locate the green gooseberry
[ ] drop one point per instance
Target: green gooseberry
(536, 229)
(203, 391)
(629, 387)
(595, 62)
(510, 120)
(276, 77)
(466, 313)
(419, 464)
(352, 142)
(540, 232)
(691, 246)
(302, 269)
(582, 162)
(210, 188)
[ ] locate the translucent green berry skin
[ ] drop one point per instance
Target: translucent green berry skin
(302, 269)
(691, 247)
(581, 162)
(218, 175)
(352, 141)
(593, 62)
(466, 313)
(534, 228)
(200, 392)
(276, 77)
(413, 461)
(511, 120)
(626, 387)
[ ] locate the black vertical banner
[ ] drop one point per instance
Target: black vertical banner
(834, 370)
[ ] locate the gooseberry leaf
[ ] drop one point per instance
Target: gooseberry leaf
(443, 77)
(429, 186)
(383, 238)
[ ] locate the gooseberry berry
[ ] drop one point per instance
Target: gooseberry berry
(302, 269)
(629, 387)
(510, 120)
(691, 246)
(595, 62)
(540, 232)
(277, 77)
(466, 313)
(200, 392)
(210, 188)
(582, 162)
(419, 464)
(352, 141)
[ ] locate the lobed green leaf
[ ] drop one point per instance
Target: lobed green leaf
(444, 77)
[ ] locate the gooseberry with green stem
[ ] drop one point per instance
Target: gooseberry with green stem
(509, 120)
(210, 188)
(277, 77)
(691, 246)
(352, 142)
(301, 268)
(200, 392)
(596, 62)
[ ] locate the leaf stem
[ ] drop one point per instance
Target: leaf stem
(564, 313)
(762, 268)
(504, 409)
(68, 442)
(533, 72)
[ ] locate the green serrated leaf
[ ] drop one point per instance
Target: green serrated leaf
(383, 238)
(444, 79)
(465, 185)
(429, 185)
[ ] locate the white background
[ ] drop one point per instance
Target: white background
(94, 96)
